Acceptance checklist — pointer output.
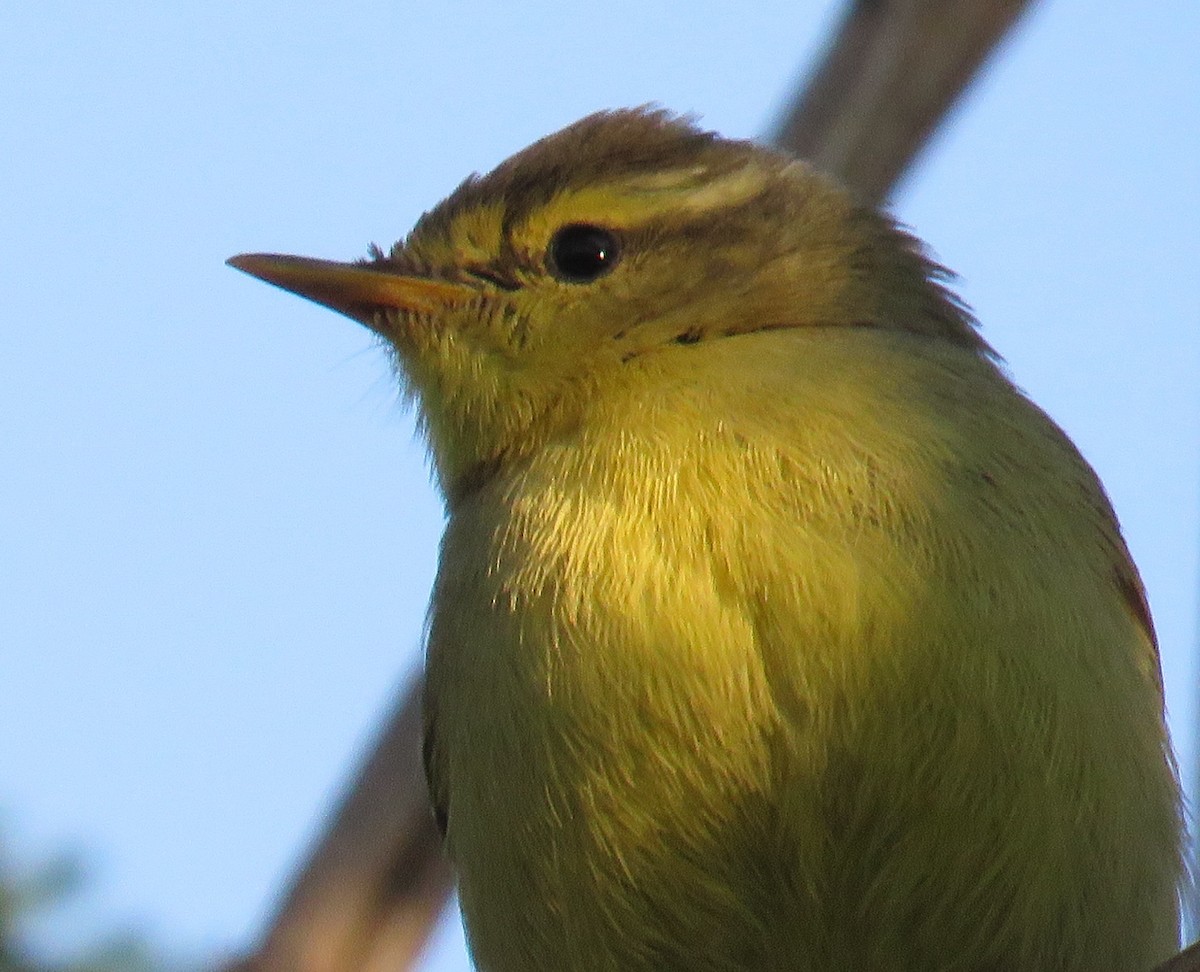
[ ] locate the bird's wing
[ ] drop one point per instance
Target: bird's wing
(437, 792)
(1129, 585)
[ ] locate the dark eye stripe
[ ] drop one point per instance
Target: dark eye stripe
(494, 277)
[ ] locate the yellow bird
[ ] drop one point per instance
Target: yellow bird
(774, 628)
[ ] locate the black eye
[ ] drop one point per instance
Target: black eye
(581, 253)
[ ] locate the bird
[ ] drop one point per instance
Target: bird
(774, 627)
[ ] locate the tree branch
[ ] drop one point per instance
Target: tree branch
(376, 881)
(889, 76)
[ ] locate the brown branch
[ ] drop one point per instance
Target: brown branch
(368, 895)
(376, 882)
(891, 73)
(1186, 961)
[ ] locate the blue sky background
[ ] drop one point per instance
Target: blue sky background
(217, 532)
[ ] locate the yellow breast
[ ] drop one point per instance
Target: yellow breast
(777, 639)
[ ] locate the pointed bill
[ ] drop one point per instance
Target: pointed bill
(359, 291)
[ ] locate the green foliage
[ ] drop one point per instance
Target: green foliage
(27, 893)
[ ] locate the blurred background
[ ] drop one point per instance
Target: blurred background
(217, 531)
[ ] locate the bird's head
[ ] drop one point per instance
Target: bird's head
(576, 265)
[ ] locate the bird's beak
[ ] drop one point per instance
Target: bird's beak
(359, 291)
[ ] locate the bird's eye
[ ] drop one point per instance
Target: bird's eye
(581, 253)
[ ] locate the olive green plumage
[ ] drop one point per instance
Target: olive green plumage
(774, 628)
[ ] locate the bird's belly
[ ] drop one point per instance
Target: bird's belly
(795, 736)
(612, 770)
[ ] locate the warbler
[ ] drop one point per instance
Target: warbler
(774, 627)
